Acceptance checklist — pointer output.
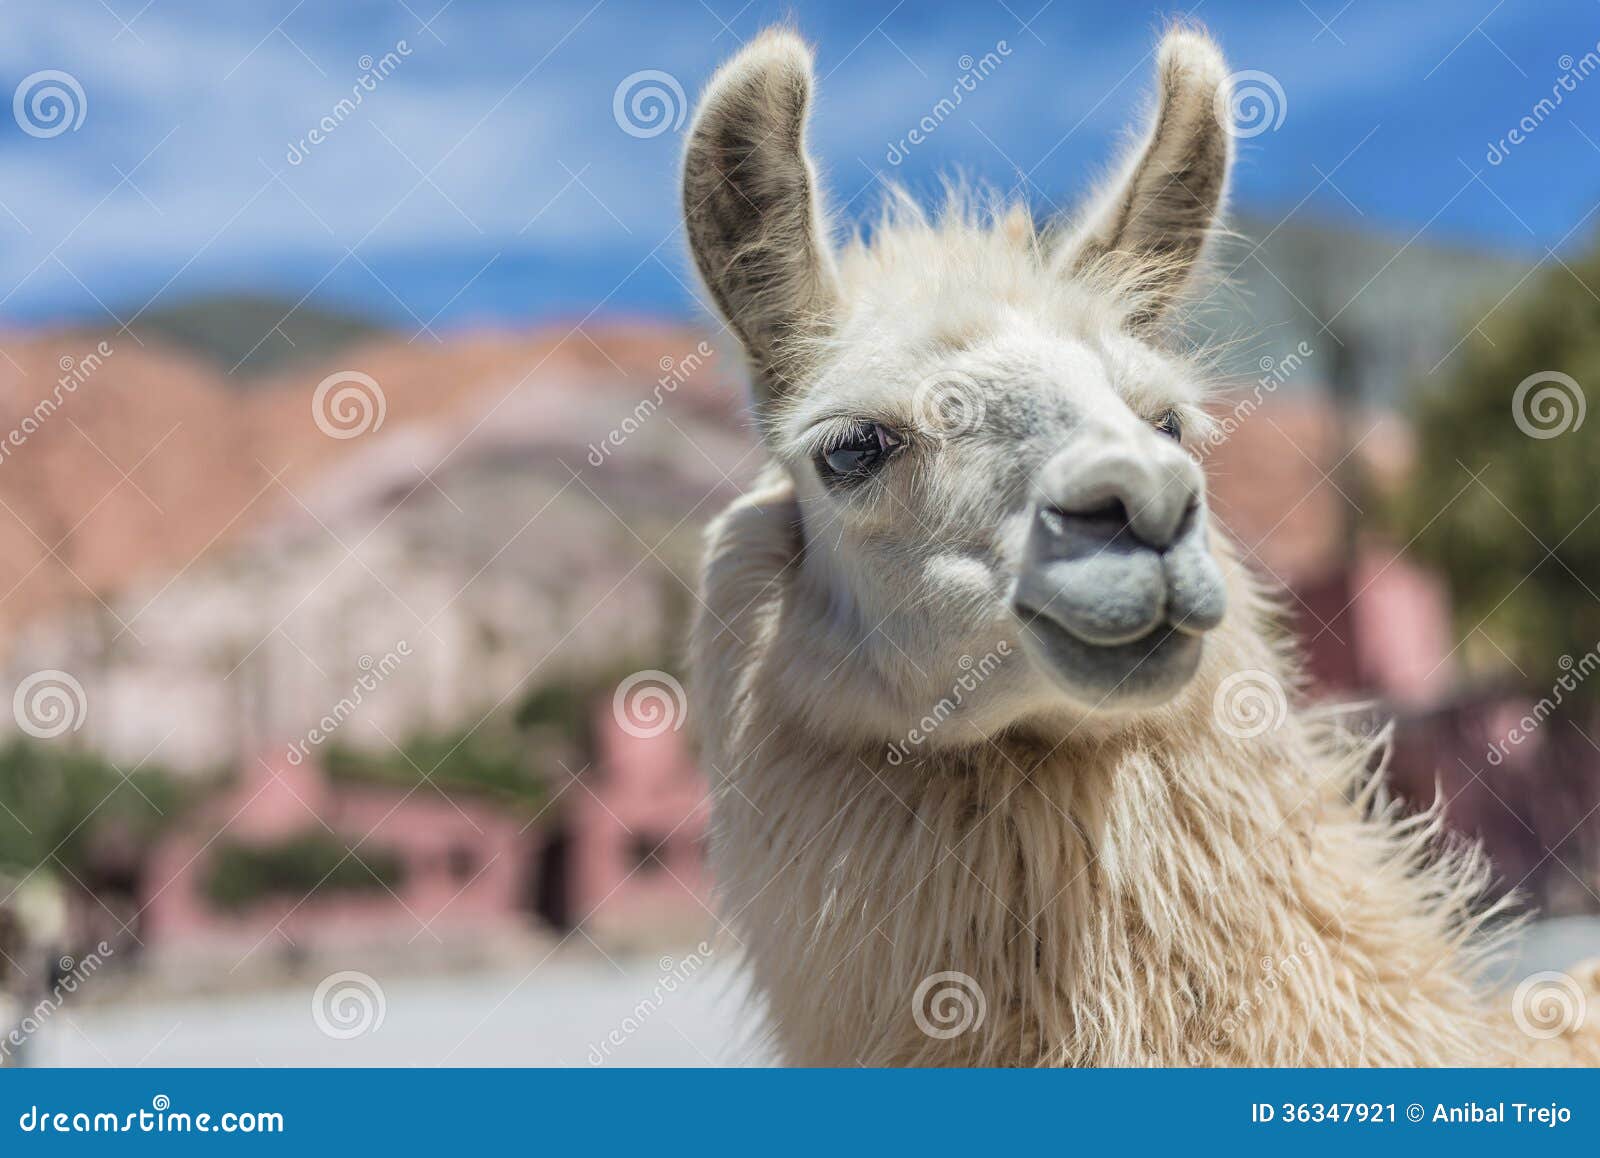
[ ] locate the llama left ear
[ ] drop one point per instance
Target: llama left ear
(753, 211)
(1148, 230)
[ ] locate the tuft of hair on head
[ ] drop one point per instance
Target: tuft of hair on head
(759, 235)
(1145, 234)
(753, 211)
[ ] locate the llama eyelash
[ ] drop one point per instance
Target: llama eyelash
(857, 453)
(831, 433)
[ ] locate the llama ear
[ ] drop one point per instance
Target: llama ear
(1148, 229)
(751, 208)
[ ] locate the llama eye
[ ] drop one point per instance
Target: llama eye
(1170, 425)
(857, 454)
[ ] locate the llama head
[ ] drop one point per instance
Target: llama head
(981, 421)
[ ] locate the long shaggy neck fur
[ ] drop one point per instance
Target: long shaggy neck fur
(1163, 895)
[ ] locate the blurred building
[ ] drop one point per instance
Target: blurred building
(242, 583)
(616, 849)
(419, 863)
(299, 591)
(1375, 630)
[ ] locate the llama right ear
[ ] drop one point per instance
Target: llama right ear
(1148, 230)
(751, 208)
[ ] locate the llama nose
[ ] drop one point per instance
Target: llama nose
(1118, 544)
(1105, 491)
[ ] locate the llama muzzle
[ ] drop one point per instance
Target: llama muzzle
(1118, 584)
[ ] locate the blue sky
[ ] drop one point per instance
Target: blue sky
(487, 179)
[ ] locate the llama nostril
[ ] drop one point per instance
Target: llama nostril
(1103, 520)
(1103, 493)
(1110, 519)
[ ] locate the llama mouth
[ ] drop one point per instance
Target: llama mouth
(1144, 672)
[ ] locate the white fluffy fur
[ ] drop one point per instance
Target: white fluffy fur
(1122, 887)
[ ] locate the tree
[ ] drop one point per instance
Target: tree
(1503, 498)
(1504, 501)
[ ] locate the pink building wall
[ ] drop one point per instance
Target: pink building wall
(638, 824)
(631, 852)
(466, 865)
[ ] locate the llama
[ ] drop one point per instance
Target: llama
(1004, 769)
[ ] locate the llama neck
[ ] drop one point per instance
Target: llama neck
(1114, 906)
(1169, 894)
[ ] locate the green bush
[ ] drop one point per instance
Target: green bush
(490, 762)
(58, 804)
(310, 864)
